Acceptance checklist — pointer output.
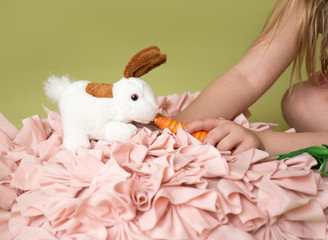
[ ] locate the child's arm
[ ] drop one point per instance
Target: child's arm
(282, 142)
(244, 83)
(227, 135)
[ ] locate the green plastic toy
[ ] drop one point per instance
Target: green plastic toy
(320, 153)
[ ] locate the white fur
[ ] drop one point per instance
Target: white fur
(86, 117)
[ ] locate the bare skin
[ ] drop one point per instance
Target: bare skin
(239, 87)
(226, 135)
(306, 108)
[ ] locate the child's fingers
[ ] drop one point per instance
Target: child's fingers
(216, 135)
(228, 142)
(241, 148)
(224, 136)
(202, 125)
(248, 143)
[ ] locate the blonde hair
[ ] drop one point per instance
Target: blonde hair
(314, 20)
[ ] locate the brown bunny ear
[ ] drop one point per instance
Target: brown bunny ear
(144, 61)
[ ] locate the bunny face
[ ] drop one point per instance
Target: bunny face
(135, 100)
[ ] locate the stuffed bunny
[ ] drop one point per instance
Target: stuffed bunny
(105, 111)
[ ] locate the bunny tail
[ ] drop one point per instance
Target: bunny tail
(55, 87)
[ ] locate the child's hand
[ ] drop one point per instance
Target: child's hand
(226, 135)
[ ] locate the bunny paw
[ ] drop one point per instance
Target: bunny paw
(72, 143)
(120, 132)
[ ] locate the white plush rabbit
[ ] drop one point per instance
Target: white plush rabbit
(105, 111)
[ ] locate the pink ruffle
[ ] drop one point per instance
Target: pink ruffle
(158, 186)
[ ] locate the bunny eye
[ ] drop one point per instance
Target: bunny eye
(134, 97)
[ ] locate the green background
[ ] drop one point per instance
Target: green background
(93, 40)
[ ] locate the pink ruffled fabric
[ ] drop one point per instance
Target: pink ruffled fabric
(158, 186)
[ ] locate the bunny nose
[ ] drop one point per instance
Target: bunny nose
(154, 115)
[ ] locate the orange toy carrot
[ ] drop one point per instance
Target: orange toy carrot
(173, 125)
